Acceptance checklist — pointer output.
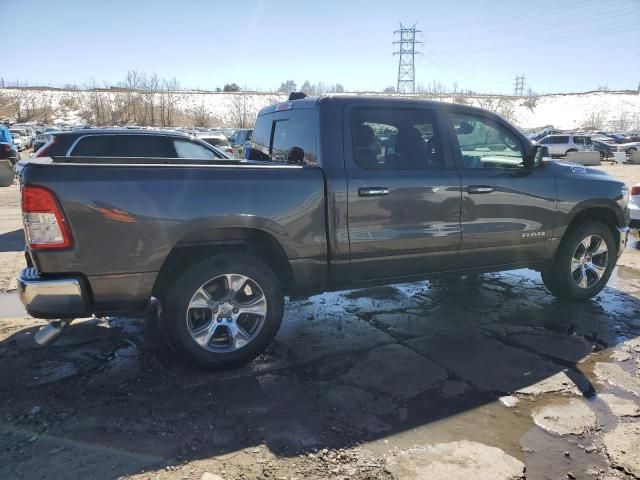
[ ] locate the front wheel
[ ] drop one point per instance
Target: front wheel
(583, 264)
(223, 311)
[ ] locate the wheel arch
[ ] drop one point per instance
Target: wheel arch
(217, 241)
(601, 212)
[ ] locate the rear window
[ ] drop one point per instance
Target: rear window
(288, 136)
(96, 146)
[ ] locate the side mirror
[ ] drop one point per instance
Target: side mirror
(539, 155)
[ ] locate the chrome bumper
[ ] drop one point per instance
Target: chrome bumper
(51, 298)
(624, 237)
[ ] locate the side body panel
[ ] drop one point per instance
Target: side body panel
(126, 219)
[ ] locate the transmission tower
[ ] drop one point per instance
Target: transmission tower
(407, 52)
(518, 85)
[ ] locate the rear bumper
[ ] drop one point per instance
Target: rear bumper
(52, 298)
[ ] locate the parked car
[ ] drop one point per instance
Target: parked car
(18, 140)
(634, 207)
(323, 206)
(7, 148)
(560, 145)
(218, 141)
(238, 140)
(29, 132)
(539, 136)
(25, 135)
(42, 139)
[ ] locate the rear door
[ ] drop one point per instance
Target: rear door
(403, 193)
(508, 211)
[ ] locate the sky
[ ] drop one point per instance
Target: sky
(559, 45)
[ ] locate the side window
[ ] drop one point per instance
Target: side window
(588, 141)
(187, 149)
(293, 140)
(97, 146)
(395, 139)
(261, 140)
(146, 146)
(578, 140)
(485, 144)
(562, 140)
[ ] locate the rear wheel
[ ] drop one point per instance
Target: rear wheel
(583, 263)
(569, 151)
(223, 311)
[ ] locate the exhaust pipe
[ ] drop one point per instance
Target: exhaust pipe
(50, 332)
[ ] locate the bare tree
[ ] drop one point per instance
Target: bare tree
(594, 120)
(243, 114)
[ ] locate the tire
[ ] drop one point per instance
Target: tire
(602, 156)
(631, 150)
(197, 306)
(568, 278)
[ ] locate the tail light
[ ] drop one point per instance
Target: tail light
(635, 190)
(44, 223)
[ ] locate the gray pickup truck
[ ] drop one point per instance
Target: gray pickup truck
(339, 192)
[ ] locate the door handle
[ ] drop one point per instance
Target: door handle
(373, 191)
(479, 189)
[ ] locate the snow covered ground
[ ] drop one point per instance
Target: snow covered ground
(613, 110)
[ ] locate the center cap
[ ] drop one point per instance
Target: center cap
(225, 308)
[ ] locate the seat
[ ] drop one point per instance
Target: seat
(411, 151)
(364, 153)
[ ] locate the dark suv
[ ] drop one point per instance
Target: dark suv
(128, 143)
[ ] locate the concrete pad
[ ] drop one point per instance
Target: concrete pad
(623, 448)
(621, 407)
(558, 383)
(455, 461)
(404, 325)
(565, 347)
(570, 417)
(487, 364)
(617, 376)
(315, 330)
(396, 370)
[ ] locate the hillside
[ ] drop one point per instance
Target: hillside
(596, 110)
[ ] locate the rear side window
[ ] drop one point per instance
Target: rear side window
(289, 136)
(97, 146)
(561, 140)
(187, 149)
(395, 139)
(146, 146)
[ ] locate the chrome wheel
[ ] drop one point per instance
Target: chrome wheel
(226, 313)
(589, 261)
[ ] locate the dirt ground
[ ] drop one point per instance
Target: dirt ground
(480, 378)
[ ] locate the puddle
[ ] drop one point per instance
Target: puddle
(11, 306)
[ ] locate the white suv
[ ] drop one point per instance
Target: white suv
(560, 145)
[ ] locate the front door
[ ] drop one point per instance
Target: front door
(508, 210)
(403, 194)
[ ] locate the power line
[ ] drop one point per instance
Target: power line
(406, 62)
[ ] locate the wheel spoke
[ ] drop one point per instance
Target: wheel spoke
(255, 307)
(586, 243)
(235, 284)
(238, 338)
(575, 264)
(601, 248)
(203, 335)
(597, 270)
(583, 282)
(201, 299)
